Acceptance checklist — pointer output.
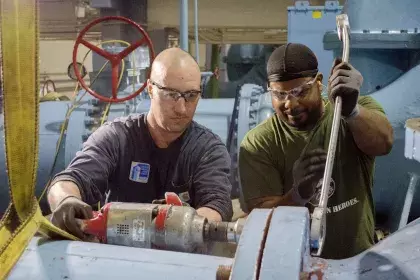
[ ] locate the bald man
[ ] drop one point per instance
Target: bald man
(140, 157)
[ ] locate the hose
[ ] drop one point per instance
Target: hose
(77, 103)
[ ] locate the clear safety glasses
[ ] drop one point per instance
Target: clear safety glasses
(175, 95)
(297, 92)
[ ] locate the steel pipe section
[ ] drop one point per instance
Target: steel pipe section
(274, 244)
(74, 260)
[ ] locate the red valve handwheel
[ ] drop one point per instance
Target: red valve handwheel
(114, 59)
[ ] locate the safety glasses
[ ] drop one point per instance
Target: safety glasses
(297, 92)
(175, 95)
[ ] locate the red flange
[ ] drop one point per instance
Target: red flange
(172, 198)
(114, 59)
(98, 225)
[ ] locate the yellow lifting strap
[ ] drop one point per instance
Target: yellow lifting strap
(19, 44)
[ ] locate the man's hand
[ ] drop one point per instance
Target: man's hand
(68, 210)
(307, 171)
(345, 81)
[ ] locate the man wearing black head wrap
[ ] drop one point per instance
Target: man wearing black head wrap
(282, 160)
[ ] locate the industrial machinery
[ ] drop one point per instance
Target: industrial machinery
(231, 118)
(273, 243)
(169, 226)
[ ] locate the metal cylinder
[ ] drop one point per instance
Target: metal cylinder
(183, 24)
(183, 230)
(130, 224)
(216, 231)
(224, 231)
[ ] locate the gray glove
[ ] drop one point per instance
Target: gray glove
(66, 213)
(307, 171)
(345, 81)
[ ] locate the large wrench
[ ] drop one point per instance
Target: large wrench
(318, 225)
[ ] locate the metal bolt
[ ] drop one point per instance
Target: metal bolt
(223, 272)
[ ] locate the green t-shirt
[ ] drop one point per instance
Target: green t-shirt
(266, 159)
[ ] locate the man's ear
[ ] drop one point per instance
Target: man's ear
(319, 81)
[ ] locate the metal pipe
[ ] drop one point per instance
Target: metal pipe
(183, 25)
(224, 231)
(414, 178)
(206, 74)
(197, 51)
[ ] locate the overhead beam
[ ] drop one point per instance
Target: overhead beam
(223, 13)
(237, 36)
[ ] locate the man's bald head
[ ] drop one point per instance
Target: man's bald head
(175, 65)
(174, 73)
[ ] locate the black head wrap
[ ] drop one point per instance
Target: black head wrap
(291, 61)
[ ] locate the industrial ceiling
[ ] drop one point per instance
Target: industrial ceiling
(58, 19)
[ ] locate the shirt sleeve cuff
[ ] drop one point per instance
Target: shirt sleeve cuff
(61, 178)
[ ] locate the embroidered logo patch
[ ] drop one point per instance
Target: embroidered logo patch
(139, 172)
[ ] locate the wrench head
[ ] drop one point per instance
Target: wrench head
(342, 22)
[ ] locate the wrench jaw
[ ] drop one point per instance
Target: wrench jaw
(318, 230)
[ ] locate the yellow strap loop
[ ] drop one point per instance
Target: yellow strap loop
(19, 32)
(19, 28)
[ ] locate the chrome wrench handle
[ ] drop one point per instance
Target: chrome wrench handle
(318, 224)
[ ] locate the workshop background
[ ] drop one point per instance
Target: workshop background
(237, 22)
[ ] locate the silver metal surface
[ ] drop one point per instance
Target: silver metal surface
(274, 245)
(318, 227)
(197, 46)
(130, 224)
(234, 230)
(184, 230)
(72, 260)
(224, 231)
(286, 247)
(397, 257)
(183, 24)
(414, 178)
(251, 245)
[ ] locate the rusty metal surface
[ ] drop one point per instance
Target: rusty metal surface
(286, 247)
(223, 272)
(251, 245)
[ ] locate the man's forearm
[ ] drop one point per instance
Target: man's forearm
(372, 132)
(61, 190)
(210, 214)
(273, 201)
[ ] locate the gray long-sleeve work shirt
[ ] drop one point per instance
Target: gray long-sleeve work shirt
(121, 157)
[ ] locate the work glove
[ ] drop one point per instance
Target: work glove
(66, 213)
(345, 81)
(163, 201)
(308, 170)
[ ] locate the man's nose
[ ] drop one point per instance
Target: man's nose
(181, 106)
(290, 102)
